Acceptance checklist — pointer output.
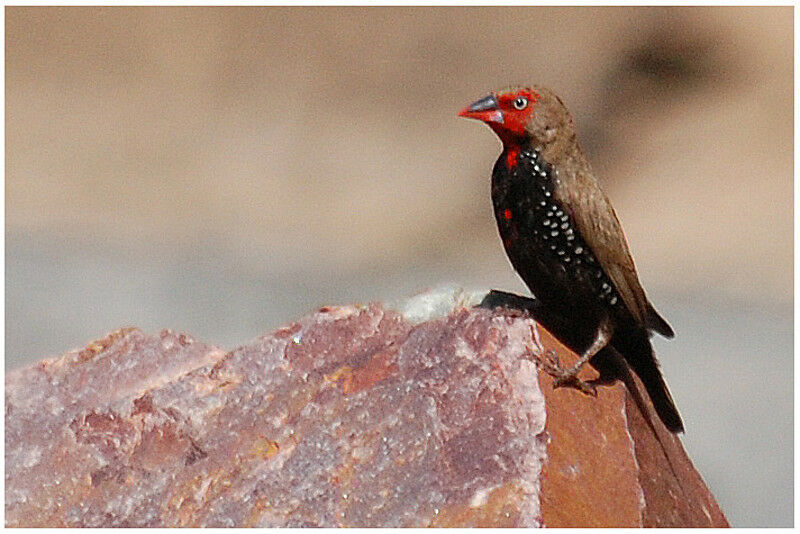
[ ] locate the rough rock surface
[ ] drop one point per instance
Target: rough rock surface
(353, 416)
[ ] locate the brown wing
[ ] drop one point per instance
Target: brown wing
(600, 228)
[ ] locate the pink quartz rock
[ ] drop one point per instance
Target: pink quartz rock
(353, 416)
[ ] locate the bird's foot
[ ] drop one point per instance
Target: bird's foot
(587, 387)
(563, 378)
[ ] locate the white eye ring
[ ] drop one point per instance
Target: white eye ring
(520, 103)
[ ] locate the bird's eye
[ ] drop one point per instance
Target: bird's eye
(520, 102)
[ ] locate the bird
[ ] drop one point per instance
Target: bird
(562, 236)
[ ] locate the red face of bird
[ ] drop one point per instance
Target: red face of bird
(507, 112)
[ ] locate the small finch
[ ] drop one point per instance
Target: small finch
(565, 241)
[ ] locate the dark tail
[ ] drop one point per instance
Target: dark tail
(655, 322)
(635, 347)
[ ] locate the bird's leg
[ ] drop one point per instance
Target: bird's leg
(569, 377)
(561, 328)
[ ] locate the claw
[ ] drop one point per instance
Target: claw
(566, 378)
(571, 381)
(551, 363)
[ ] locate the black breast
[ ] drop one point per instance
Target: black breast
(541, 239)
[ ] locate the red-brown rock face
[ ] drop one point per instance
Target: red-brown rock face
(353, 416)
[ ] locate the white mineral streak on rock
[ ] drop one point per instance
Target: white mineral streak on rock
(438, 302)
(481, 496)
(530, 400)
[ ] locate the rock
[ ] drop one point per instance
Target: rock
(353, 416)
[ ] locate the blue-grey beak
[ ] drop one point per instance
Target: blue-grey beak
(484, 104)
(486, 109)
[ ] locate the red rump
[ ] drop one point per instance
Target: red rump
(507, 214)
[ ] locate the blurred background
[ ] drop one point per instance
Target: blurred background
(223, 171)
